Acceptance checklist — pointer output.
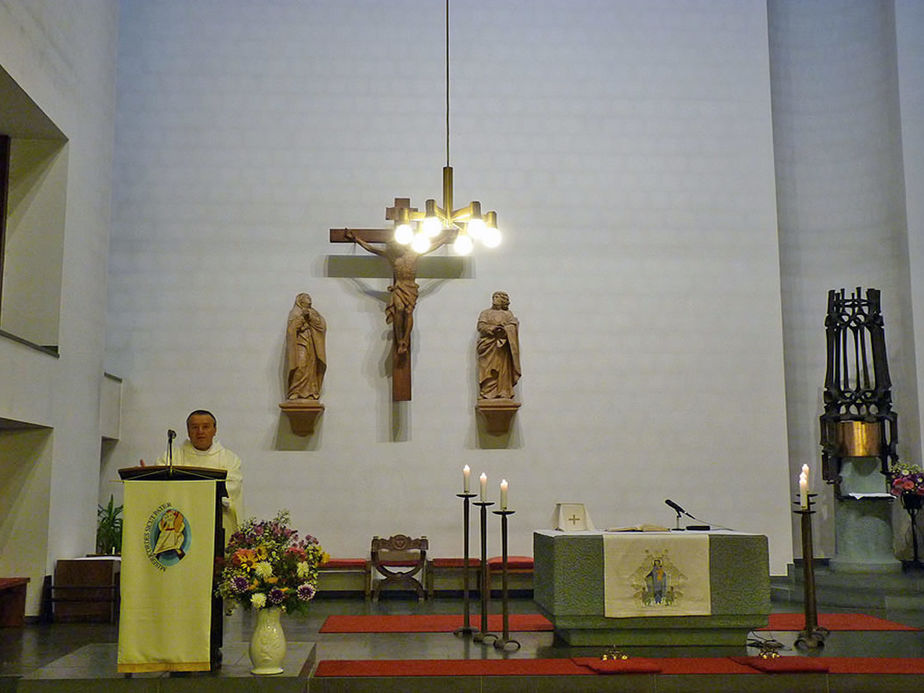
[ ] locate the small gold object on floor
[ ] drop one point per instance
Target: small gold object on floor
(768, 651)
(613, 654)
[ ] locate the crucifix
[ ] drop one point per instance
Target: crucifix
(402, 246)
(404, 289)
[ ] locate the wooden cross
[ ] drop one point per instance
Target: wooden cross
(400, 310)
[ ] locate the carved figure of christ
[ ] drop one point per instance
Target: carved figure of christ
(404, 290)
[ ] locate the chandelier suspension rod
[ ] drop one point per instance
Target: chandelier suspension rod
(447, 82)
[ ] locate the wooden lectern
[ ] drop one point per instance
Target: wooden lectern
(177, 473)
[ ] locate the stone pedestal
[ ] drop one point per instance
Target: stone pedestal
(863, 520)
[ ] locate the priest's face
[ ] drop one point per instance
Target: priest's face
(201, 429)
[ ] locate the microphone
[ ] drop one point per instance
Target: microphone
(171, 434)
(680, 511)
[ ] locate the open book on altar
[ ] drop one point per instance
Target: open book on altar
(644, 527)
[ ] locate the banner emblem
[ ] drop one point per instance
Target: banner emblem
(167, 536)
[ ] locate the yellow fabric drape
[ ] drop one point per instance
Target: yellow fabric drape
(167, 565)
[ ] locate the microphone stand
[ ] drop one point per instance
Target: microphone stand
(170, 436)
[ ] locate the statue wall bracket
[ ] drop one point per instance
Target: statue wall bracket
(302, 413)
(497, 413)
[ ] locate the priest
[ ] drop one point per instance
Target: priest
(202, 450)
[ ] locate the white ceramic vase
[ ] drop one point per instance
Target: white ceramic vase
(268, 644)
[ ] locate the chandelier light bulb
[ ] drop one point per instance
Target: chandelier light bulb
(476, 228)
(463, 244)
(421, 243)
(432, 227)
(491, 237)
(404, 233)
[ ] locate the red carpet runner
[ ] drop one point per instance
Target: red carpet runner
(587, 666)
(834, 622)
(428, 623)
(446, 623)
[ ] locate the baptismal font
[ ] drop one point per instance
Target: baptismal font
(859, 433)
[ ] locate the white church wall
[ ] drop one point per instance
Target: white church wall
(25, 492)
(62, 55)
(839, 184)
(909, 24)
(627, 149)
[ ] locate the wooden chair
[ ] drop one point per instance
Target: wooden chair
(399, 559)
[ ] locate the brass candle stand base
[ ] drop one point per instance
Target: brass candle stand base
(812, 636)
(466, 628)
(505, 642)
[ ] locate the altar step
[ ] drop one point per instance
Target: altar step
(903, 591)
(92, 668)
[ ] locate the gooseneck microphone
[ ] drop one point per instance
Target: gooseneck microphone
(680, 511)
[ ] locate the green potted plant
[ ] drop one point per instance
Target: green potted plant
(109, 528)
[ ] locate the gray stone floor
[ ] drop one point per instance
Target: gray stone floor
(38, 651)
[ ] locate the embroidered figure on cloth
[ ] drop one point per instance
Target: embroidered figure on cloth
(657, 582)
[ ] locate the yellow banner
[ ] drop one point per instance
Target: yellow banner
(654, 574)
(167, 565)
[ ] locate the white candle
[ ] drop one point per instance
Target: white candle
(803, 492)
(805, 472)
(504, 494)
(484, 486)
(466, 477)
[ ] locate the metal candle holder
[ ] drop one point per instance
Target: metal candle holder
(466, 628)
(484, 636)
(912, 504)
(812, 636)
(504, 642)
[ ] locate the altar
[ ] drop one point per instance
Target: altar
(575, 587)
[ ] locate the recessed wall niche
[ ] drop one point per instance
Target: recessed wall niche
(33, 184)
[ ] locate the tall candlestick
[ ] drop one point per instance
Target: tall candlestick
(484, 486)
(803, 492)
(466, 477)
(503, 500)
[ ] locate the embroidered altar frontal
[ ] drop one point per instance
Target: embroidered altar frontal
(652, 588)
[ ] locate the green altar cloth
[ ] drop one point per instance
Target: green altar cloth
(569, 591)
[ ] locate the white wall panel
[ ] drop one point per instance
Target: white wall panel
(841, 204)
(627, 148)
(63, 56)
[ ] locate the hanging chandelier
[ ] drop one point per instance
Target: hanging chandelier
(418, 228)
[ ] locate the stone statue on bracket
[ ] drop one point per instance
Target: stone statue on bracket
(498, 350)
(306, 363)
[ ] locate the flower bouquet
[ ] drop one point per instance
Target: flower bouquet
(906, 478)
(266, 565)
(907, 482)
